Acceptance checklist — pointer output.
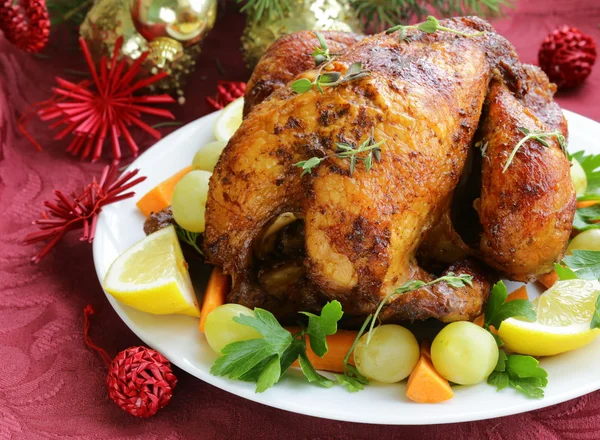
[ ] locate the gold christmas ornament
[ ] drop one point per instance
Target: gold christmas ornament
(332, 15)
(107, 20)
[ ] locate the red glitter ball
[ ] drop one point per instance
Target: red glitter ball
(227, 91)
(140, 381)
(25, 24)
(567, 56)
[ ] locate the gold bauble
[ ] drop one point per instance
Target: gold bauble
(108, 20)
(319, 15)
(185, 21)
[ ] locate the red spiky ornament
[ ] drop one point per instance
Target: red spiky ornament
(140, 380)
(104, 107)
(567, 56)
(25, 23)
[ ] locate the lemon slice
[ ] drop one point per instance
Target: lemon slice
(564, 313)
(229, 120)
(152, 276)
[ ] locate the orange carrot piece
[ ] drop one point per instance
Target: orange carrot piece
(520, 293)
(215, 294)
(425, 384)
(548, 279)
(159, 197)
(586, 203)
(338, 346)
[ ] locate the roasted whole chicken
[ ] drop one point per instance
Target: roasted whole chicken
(448, 110)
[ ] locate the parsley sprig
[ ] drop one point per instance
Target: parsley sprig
(522, 373)
(429, 26)
(265, 360)
(189, 237)
(538, 136)
(348, 151)
(591, 165)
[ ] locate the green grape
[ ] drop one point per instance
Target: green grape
(207, 157)
(578, 178)
(390, 355)
(189, 200)
(586, 241)
(220, 329)
(464, 353)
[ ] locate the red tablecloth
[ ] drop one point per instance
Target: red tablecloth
(51, 386)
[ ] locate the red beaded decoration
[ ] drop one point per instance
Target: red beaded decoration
(567, 56)
(25, 24)
(227, 91)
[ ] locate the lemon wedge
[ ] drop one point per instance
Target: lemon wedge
(152, 276)
(564, 313)
(229, 120)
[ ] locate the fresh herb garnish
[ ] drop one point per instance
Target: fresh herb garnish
(264, 360)
(538, 136)
(429, 26)
(520, 372)
(348, 151)
(321, 53)
(564, 273)
(591, 165)
(452, 280)
(498, 309)
(587, 218)
(188, 237)
(352, 380)
(585, 264)
(330, 79)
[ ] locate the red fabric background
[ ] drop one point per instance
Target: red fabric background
(51, 386)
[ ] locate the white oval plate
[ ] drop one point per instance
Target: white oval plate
(177, 337)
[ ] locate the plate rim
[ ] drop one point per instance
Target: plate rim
(232, 387)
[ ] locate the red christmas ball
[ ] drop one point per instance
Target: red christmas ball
(140, 381)
(567, 56)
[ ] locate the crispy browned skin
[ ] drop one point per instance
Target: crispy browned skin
(287, 57)
(527, 212)
(424, 98)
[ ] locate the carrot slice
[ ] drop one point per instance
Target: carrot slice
(548, 279)
(159, 197)
(215, 294)
(338, 346)
(425, 384)
(586, 203)
(520, 293)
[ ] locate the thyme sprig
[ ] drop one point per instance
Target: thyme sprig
(348, 151)
(451, 278)
(330, 79)
(538, 136)
(429, 26)
(321, 53)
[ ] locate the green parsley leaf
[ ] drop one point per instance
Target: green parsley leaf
(302, 85)
(585, 218)
(520, 372)
(591, 165)
(564, 273)
(352, 380)
(311, 374)
(585, 264)
(498, 309)
(188, 237)
(269, 375)
(319, 327)
(596, 317)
